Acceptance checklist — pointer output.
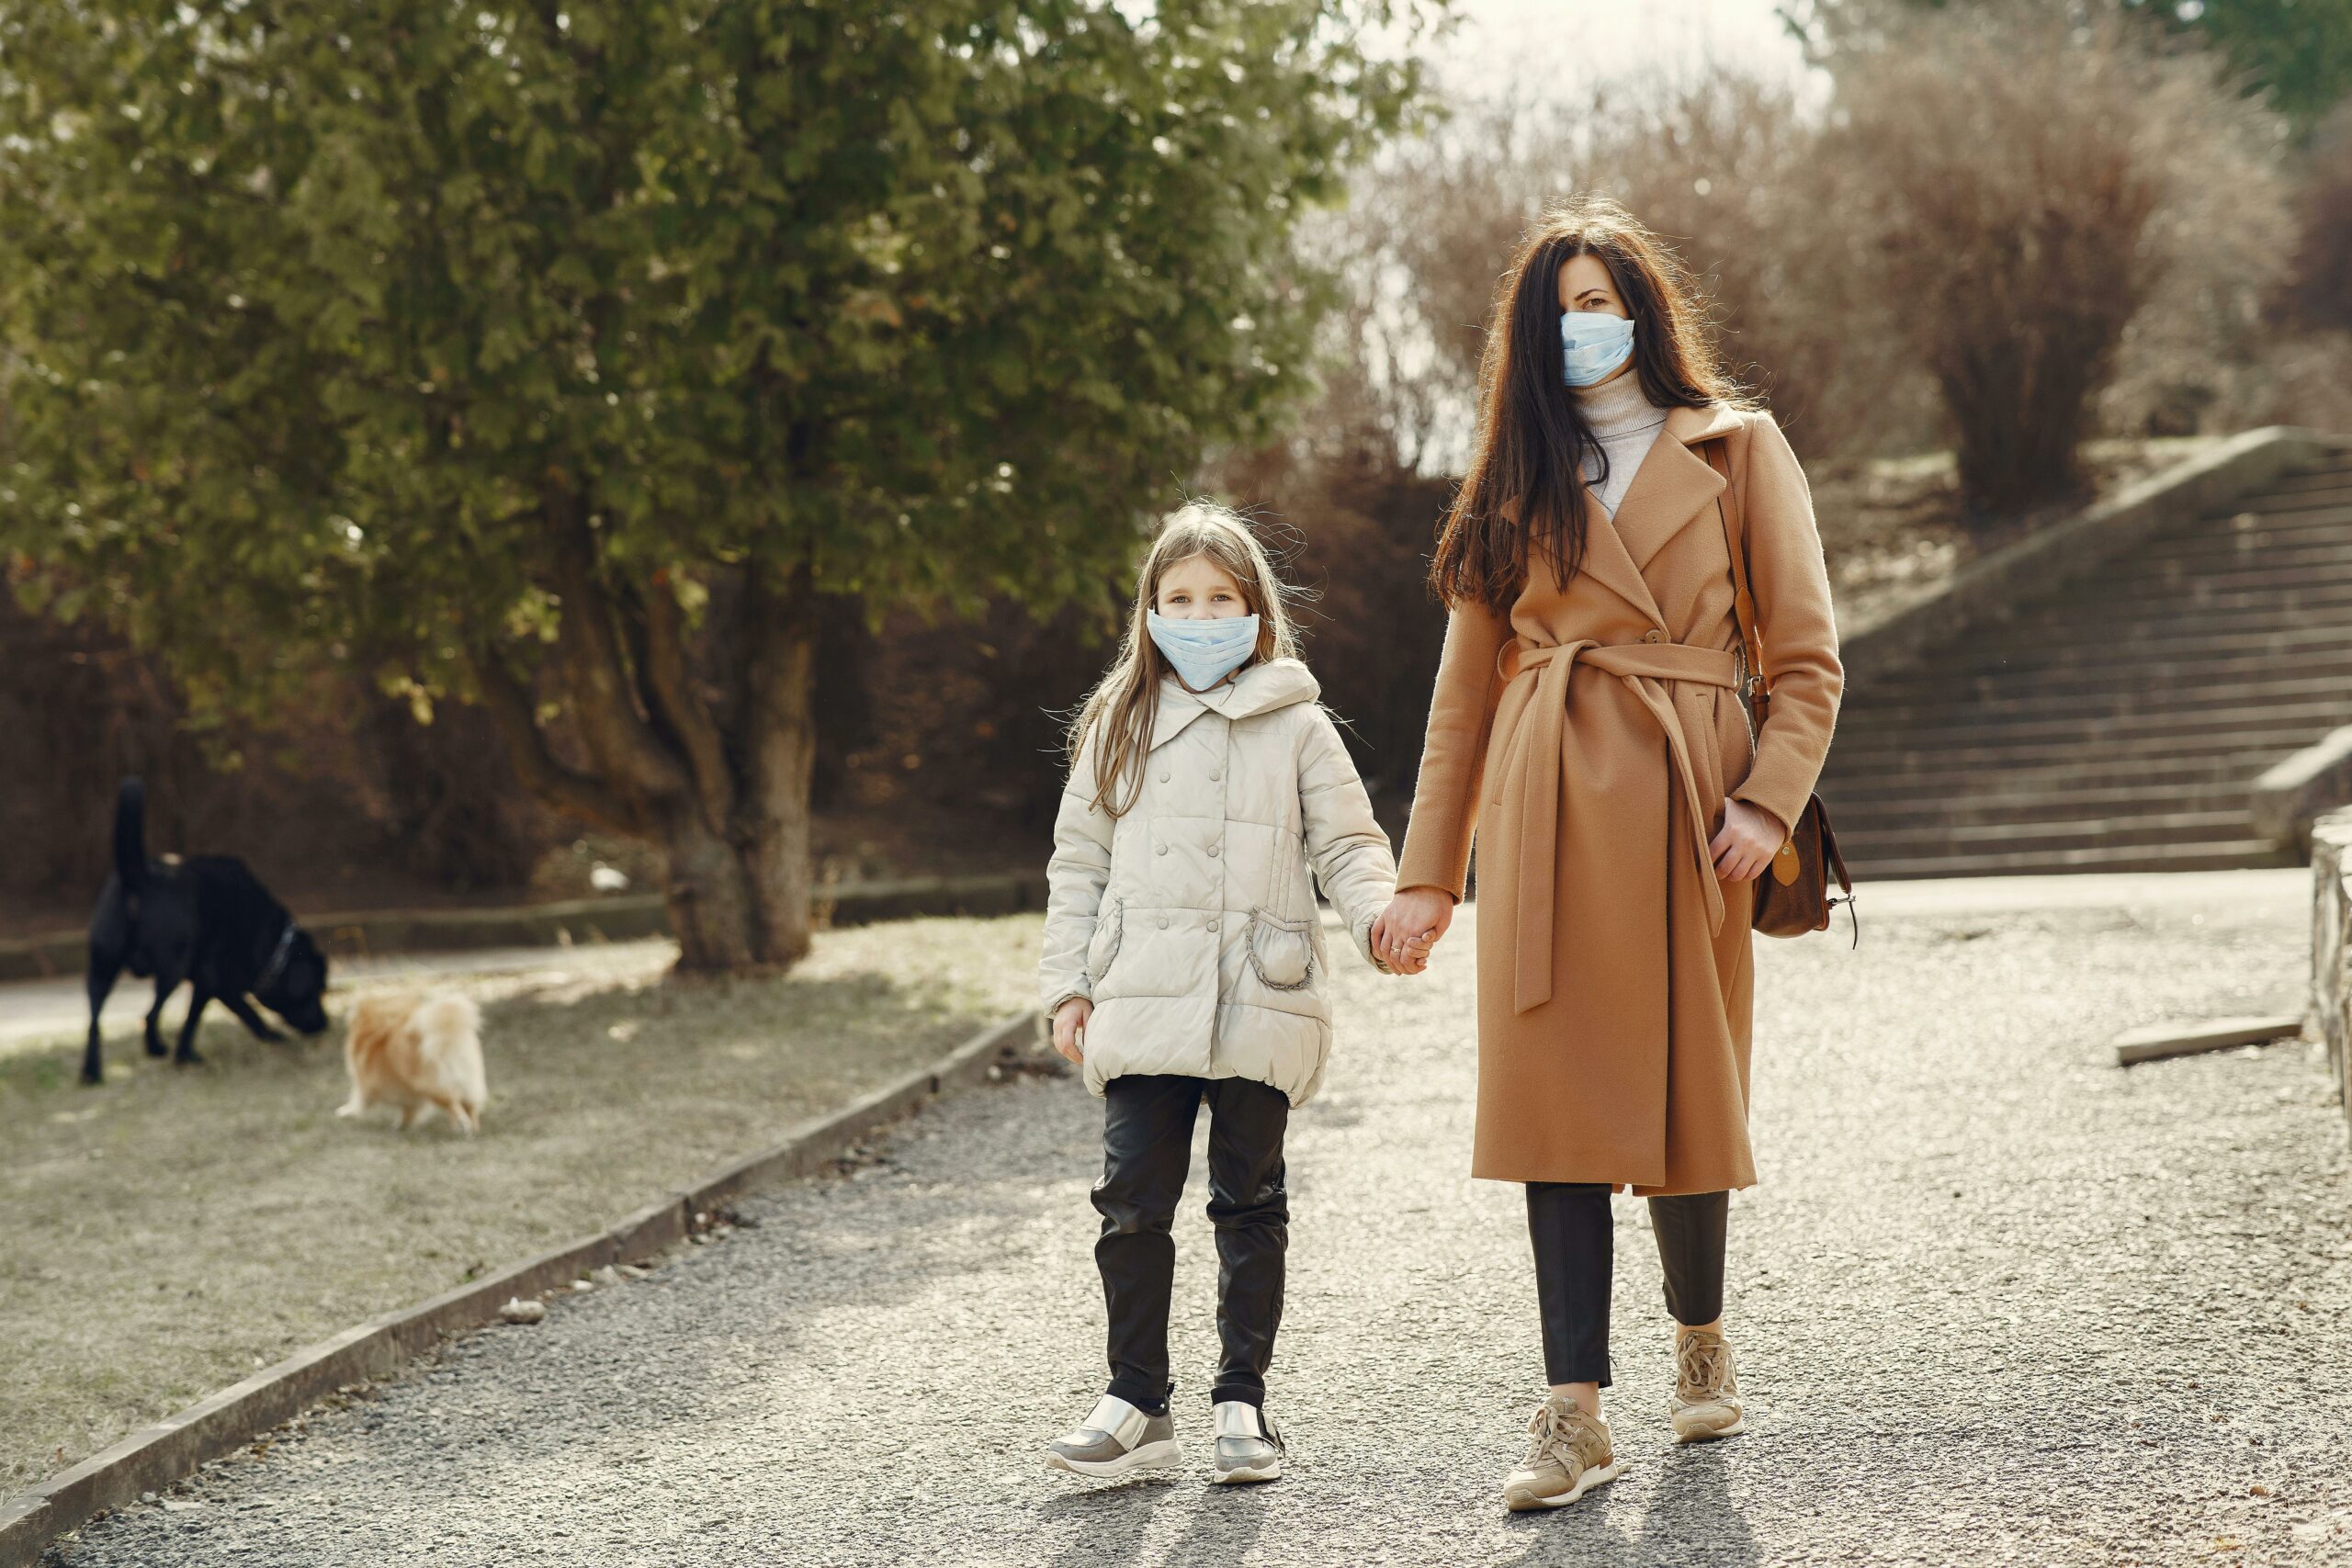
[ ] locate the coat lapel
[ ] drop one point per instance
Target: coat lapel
(1606, 560)
(1673, 485)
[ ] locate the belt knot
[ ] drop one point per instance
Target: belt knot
(1535, 749)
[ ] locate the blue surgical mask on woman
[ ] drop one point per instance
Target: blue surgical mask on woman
(1596, 344)
(1204, 652)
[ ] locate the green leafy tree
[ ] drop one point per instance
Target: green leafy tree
(2296, 56)
(561, 357)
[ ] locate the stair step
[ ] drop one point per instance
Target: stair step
(2294, 504)
(1886, 786)
(2102, 605)
(2055, 832)
(2014, 681)
(2125, 659)
(2108, 699)
(2299, 523)
(2226, 855)
(2225, 539)
(1962, 764)
(1889, 814)
(2118, 720)
(2252, 572)
(2319, 476)
(2312, 718)
(2154, 631)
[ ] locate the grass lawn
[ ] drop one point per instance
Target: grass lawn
(172, 1231)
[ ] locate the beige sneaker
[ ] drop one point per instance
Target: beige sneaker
(1706, 1396)
(1570, 1456)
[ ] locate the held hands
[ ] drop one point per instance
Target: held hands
(1746, 843)
(1068, 1018)
(1409, 927)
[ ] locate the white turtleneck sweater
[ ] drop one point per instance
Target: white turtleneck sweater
(1626, 423)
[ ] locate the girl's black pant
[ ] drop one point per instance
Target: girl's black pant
(1146, 1145)
(1568, 1222)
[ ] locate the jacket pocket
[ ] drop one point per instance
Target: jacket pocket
(1110, 927)
(1282, 953)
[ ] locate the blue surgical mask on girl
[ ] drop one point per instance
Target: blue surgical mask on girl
(1596, 344)
(1204, 652)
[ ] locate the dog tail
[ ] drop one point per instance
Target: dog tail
(130, 835)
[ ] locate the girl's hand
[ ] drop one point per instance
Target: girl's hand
(1068, 1018)
(1409, 927)
(1749, 840)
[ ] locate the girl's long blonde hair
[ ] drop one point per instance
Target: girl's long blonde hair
(1121, 709)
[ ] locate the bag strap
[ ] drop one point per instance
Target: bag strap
(1742, 603)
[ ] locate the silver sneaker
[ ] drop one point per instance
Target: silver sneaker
(1248, 1446)
(1116, 1439)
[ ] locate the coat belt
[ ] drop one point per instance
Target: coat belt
(1535, 751)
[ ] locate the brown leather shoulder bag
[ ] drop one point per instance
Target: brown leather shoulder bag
(1793, 895)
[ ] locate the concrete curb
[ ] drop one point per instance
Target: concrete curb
(626, 918)
(1989, 587)
(2162, 1040)
(156, 1456)
(2297, 789)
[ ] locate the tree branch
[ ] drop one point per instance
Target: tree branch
(682, 708)
(631, 758)
(516, 714)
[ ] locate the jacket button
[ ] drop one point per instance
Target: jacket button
(1214, 775)
(1212, 928)
(1652, 635)
(1213, 849)
(1163, 922)
(1165, 775)
(1160, 851)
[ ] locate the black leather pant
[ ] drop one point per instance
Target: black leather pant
(1146, 1145)
(1568, 1222)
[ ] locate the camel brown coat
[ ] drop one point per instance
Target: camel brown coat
(1589, 740)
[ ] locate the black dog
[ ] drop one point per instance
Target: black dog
(207, 920)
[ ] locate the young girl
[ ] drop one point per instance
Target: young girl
(1184, 962)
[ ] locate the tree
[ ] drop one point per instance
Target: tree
(2296, 56)
(2027, 188)
(563, 356)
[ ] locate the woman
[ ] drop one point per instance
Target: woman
(1588, 724)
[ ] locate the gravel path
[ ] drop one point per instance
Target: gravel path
(1997, 1301)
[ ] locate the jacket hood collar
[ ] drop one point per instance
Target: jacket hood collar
(1259, 688)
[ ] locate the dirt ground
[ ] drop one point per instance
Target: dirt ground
(176, 1229)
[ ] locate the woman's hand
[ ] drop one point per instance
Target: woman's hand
(1068, 1018)
(1749, 840)
(1410, 926)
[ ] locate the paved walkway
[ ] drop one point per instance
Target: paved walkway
(1996, 1301)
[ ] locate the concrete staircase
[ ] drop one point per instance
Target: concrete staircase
(2116, 719)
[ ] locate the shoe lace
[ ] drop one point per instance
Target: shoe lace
(1703, 1366)
(1555, 1434)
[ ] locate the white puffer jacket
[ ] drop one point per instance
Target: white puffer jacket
(1190, 920)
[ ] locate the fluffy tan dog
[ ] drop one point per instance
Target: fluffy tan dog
(419, 1053)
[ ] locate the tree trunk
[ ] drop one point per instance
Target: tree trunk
(709, 897)
(779, 760)
(741, 902)
(727, 801)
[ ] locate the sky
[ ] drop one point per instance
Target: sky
(1578, 39)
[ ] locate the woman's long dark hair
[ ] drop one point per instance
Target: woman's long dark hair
(1522, 491)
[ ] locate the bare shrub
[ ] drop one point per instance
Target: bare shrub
(2028, 186)
(2320, 292)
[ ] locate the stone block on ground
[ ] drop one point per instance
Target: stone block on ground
(2332, 944)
